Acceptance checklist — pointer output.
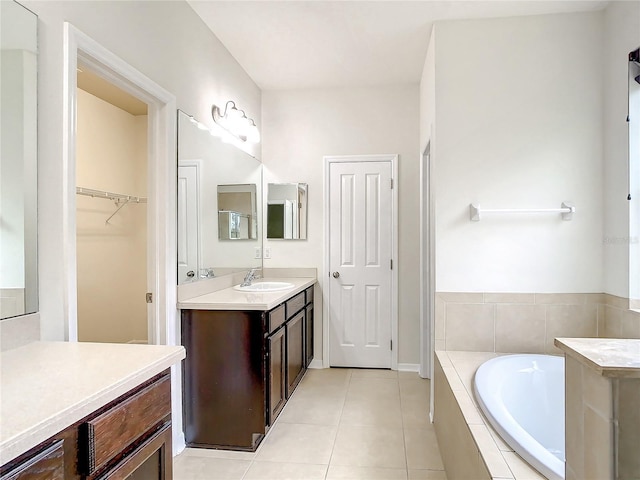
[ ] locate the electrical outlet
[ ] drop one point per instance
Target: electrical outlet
(257, 253)
(267, 252)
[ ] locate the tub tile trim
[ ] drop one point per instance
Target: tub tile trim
(494, 454)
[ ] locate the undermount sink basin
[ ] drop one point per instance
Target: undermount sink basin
(264, 287)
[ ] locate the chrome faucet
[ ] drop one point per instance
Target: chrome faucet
(251, 275)
(207, 273)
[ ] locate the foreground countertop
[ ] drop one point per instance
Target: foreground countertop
(48, 386)
(230, 299)
(610, 357)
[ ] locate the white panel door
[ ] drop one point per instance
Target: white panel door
(188, 230)
(360, 249)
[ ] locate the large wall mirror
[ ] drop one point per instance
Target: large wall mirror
(237, 212)
(219, 205)
(18, 161)
(287, 211)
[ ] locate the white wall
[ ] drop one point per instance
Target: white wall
(302, 126)
(111, 258)
(519, 120)
(167, 42)
(428, 96)
(622, 35)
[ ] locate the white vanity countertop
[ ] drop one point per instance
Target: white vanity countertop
(48, 386)
(610, 357)
(230, 299)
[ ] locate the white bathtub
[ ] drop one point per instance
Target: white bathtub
(523, 398)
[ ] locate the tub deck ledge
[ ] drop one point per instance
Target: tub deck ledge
(470, 447)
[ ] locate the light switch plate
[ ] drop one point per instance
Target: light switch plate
(267, 252)
(257, 252)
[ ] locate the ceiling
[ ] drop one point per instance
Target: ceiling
(103, 89)
(311, 44)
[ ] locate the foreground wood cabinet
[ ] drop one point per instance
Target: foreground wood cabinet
(129, 438)
(241, 368)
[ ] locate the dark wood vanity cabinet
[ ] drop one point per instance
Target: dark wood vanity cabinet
(241, 368)
(277, 390)
(296, 365)
(129, 438)
(308, 333)
(42, 463)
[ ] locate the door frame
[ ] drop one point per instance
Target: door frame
(393, 160)
(197, 163)
(161, 168)
(427, 263)
(161, 182)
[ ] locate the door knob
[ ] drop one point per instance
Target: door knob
(191, 274)
(336, 274)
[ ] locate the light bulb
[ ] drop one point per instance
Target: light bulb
(235, 120)
(253, 134)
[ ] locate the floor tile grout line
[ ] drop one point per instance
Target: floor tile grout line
(339, 422)
(349, 384)
(404, 428)
(264, 440)
(404, 436)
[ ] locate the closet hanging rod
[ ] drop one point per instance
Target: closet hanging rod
(117, 197)
(566, 209)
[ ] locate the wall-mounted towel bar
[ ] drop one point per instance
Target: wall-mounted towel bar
(566, 209)
(120, 199)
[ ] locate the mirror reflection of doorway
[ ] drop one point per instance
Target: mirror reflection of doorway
(111, 212)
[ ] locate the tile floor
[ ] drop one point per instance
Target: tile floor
(339, 424)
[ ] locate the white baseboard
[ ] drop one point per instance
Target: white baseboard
(179, 443)
(316, 363)
(409, 367)
(402, 367)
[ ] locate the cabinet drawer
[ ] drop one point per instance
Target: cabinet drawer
(47, 464)
(295, 304)
(276, 318)
(309, 294)
(113, 431)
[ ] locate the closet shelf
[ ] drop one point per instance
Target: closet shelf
(120, 199)
(117, 197)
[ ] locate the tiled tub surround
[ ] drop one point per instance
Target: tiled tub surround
(528, 322)
(18, 331)
(471, 449)
(621, 318)
(602, 408)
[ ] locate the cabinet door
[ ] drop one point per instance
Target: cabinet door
(47, 464)
(309, 335)
(225, 378)
(295, 351)
(277, 392)
(151, 460)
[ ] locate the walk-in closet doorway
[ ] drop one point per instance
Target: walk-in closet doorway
(81, 51)
(111, 212)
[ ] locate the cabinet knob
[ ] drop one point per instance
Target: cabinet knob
(191, 274)
(336, 274)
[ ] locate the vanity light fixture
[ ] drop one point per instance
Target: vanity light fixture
(236, 122)
(221, 133)
(201, 126)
